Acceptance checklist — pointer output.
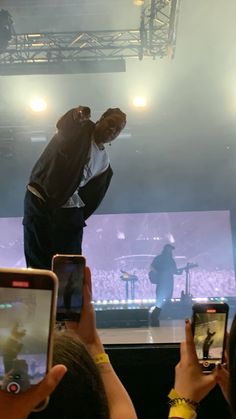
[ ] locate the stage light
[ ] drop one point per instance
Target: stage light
(138, 2)
(140, 102)
(38, 104)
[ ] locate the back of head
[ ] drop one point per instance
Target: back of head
(121, 116)
(167, 249)
(80, 394)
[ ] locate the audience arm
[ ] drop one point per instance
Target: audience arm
(190, 383)
(119, 402)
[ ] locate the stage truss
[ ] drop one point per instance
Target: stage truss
(156, 37)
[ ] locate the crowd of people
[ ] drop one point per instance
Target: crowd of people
(109, 286)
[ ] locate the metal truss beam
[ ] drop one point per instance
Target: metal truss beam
(156, 37)
(158, 28)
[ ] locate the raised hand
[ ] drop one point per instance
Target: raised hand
(190, 382)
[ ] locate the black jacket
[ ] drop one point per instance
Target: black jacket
(58, 171)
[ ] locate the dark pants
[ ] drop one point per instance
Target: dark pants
(49, 231)
(164, 290)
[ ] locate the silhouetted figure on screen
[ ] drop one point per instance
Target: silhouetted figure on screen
(208, 341)
(12, 347)
(18, 374)
(162, 271)
(69, 290)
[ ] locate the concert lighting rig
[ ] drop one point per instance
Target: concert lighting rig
(94, 51)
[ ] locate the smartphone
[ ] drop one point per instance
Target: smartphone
(209, 324)
(70, 270)
(27, 317)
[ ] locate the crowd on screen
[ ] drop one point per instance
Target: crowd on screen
(108, 285)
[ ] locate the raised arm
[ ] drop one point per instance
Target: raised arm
(191, 385)
(71, 118)
(120, 404)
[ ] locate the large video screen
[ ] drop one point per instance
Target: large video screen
(122, 246)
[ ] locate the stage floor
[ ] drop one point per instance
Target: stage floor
(170, 331)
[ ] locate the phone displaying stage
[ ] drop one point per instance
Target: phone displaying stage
(70, 270)
(27, 315)
(209, 328)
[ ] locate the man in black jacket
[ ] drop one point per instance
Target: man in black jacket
(67, 184)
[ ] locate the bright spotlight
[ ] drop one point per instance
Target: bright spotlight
(140, 102)
(138, 2)
(38, 104)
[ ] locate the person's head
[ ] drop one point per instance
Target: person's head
(168, 249)
(80, 394)
(17, 332)
(109, 126)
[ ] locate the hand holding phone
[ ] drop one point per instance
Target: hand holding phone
(209, 328)
(190, 382)
(86, 327)
(21, 406)
(27, 302)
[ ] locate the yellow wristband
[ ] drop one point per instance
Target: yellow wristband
(173, 394)
(101, 358)
(182, 411)
(176, 400)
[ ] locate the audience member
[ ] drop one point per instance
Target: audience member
(192, 385)
(90, 388)
(81, 393)
(119, 403)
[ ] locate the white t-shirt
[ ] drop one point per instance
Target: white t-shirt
(98, 162)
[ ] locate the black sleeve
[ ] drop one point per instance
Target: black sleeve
(66, 122)
(94, 191)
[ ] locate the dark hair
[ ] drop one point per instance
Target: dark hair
(167, 247)
(115, 111)
(232, 367)
(80, 394)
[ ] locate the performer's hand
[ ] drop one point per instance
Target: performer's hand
(190, 382)
(86, 327)
(82, 113)
(19, 406)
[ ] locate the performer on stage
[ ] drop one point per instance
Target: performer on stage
(162, 271)
(67, 184)
(208, 341)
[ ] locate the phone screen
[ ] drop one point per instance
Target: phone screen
(70, 273)
(209, 337)
(25, 322)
